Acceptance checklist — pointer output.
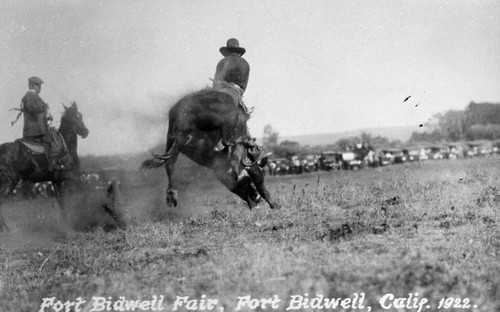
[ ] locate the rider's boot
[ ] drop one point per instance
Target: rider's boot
(219, 147)
(50, 161)
(235, 158)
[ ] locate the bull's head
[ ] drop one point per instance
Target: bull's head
(113, 207)
(97, 209)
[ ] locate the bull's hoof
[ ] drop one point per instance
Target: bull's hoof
(275, 206)
(251, 204)
(254, 202)
(172, 198)
(65, 231)
(4, 228)
(3, 225)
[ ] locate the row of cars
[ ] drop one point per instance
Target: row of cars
(293, 165)
(329, 160)
(375, 157)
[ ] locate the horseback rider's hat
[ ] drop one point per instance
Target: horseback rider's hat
(35, 80)
(232, 45)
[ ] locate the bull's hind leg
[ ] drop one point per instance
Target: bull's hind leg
(257, 176)
(172, 153)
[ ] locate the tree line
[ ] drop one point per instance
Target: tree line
(288, 148)
(478, 121)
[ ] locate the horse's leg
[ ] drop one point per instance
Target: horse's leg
(58, 190)
(257, 176)
(172, 153)
(7, 185)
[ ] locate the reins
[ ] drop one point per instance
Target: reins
(20, 109)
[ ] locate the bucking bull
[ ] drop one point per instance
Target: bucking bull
(197, 123)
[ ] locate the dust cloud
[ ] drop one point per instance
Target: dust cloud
(140, 198)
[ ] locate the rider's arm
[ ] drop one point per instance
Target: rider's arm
(219, 74)
(246, 75)
(33, 104)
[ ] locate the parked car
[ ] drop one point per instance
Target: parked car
(385, 157)
(495, 146)
(412, 154)
(350, 161)
(479, 148)
(282, 166)
(455, 151)
(295, 165)
(330, 160)
(309, 163)
(437, 152)
(399, 155)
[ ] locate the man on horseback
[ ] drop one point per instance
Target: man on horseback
(36, 116)
(231, 76)
(232, 71)
(210, 128)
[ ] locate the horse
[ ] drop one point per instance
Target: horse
(197, 123)
(18, 162)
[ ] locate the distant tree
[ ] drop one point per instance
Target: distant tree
(380, 141)
(288, 143)
(396, 144)
(287, 149)
(366, 137)
(482, 113)
(484, 132)
(270, 138)
(344, 144)
(347, 144)
(328, 147)
(424, 137)
(452, 125)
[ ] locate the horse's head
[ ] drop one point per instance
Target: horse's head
(73, 120)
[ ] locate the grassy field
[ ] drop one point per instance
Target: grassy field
(420, 232)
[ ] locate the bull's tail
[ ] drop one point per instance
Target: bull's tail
(159, 160)
(155, 162)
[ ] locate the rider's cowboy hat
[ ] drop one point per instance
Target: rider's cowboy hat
(35, 80)
(232, 45)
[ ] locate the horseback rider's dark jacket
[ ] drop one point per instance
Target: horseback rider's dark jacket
(35, 115)
(232, 69)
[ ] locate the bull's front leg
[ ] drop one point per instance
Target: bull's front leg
(257, 176)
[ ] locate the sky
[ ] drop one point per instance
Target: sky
(316, 66)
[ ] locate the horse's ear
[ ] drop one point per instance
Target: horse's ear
(65, 108)
(74, 104)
